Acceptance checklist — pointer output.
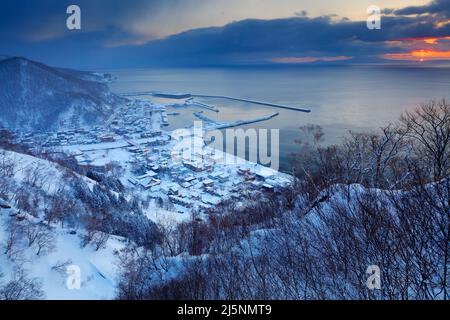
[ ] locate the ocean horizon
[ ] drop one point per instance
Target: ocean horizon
(341, 98)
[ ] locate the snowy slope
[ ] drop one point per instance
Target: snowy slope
(48, 176)
(97, 267)
(37, 97)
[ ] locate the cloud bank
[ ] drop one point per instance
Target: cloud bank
(117, 35)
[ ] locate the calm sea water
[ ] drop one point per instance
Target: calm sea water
(341, 98)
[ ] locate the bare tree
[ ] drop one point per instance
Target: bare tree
(22, 288)
(1, 278)
(13, 246)
(99, 240)
(31, 232)
(319, 245)
(7, 168)
(39, 236)
(34, 175)
(44, 240)
(428, 127)
(61, 267)
(7, 164)
(134, 278)
(60, 208)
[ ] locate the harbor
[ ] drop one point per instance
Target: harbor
(212, 124)
(180, 96)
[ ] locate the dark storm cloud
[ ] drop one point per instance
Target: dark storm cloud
(107, 34)
(46, 19)
(440, 7)
(256, 41)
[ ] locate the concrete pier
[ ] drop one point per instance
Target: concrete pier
(188, 95)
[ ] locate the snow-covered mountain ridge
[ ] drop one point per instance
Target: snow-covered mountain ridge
(36, 97)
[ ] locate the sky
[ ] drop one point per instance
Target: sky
(143, 33)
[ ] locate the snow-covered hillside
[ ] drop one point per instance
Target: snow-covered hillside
(38, 97)
(43, 249)
(97, 268)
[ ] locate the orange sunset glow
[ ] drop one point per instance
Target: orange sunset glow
(421, 49)
(431, 40)
(435, 40)
(426, 40)
(442, 24)
(419, 55)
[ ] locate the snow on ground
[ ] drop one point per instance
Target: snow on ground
(103, 157)
(165, 218)
(97, 146)
(50, 174)
(97, 268)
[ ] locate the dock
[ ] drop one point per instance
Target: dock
(254, 102)
(188, 96)
(238, 123)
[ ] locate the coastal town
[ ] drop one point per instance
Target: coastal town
(153, 165)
